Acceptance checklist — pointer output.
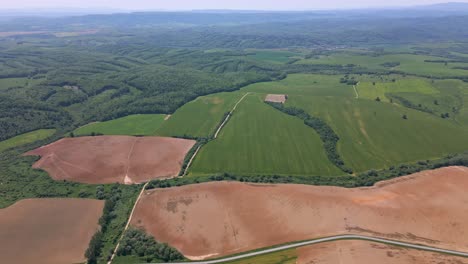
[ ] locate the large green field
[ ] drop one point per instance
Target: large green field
(282, 257)
(145, 125)
(259, 139)
(409, 63)
(374, 134)
(200, 117)
(273, 56)
(26, 138)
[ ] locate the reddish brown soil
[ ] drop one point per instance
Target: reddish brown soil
(110, 159)
(222, 218)
(276, 98)
(48, 230)
(362, 252)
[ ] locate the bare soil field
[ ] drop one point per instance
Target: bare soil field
(48, 230)
(276, 98)
(363, 252)
(110, 159)
(223, 218)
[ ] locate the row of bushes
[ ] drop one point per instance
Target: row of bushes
(137, 243)
(95, 245)
(326, 133)
(368, 178)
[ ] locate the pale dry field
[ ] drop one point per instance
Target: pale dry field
(48, 230)
(111, 159)
(222, 218)
(276, 98)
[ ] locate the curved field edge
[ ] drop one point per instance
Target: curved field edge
(26, 138)
(365, 179)
(258, 139)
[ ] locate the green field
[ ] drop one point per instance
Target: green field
(380, 89)
(282, 257)
(273, 56)
(145, 125)
(259, 139)
(26, 138)
(200, 117)
(409, 63)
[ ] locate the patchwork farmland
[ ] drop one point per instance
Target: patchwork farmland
(218, 219)
(235, 137)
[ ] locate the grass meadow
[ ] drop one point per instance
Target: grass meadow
(409, 63)
(26, 138)
(145, 125)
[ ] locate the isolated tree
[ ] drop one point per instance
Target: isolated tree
(377, 99)
(405, 116)
(436, 102)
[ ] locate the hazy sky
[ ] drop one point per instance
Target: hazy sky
(211, 4)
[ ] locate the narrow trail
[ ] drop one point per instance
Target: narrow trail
(330, 239)
(355, 90)
(217, 132)
(229, 115)
(128, 223)
(191, 160)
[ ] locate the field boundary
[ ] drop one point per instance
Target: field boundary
(331, 239)
(128, 223)
(191, 160)
(229, 115)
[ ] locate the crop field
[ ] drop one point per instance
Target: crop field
(408, 63)
(217, 219)
(261, 140)
(364, 252)
(304, 84)
(26, 138)
(418, 86)
(348, 251)
(273, 56)
(111, 159)
(200, 117)
(374, 134)
(53, 231)
(144, 125)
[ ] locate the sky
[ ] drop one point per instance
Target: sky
(211, 4)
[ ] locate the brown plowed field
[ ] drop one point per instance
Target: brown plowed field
(222, 218)
(276, 98)
(363, 252)
(110, 159)
(48, 230)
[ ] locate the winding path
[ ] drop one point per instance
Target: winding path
(329, 239)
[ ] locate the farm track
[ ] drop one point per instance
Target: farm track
(355, 91)
(128, 223)
(330, 239)
(229, 115)
(216, 134)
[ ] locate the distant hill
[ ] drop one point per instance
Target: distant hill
(447, 7)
